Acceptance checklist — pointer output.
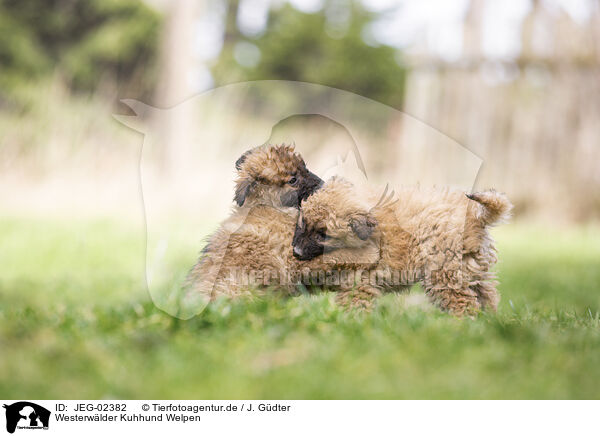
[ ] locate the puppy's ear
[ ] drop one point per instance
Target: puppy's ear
(363, 225)
(241, 160)
(242, 189)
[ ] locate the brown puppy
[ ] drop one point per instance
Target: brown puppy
(273, 175)
(256, 239)
(439, 238)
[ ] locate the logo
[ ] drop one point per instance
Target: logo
(26, 415)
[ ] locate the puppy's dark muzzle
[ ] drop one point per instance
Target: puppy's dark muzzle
(307, 251)
(307, 254)
(311, 183)
(315, 181)
(298, 254)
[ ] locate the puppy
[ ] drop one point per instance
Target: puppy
(439, 238)
(257, 238)
(275, 176)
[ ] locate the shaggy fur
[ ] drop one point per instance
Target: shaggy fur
(273, 175)
(439, 238)
(252, 252)
(257, 237)
(254, 240)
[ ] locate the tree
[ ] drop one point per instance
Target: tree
(87, 40)
(309, 47)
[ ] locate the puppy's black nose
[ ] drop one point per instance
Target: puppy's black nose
(312, 183)
(315, 181)
(298, 253)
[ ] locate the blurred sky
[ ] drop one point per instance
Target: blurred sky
(434, 25)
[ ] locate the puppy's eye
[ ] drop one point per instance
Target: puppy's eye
(293, 181)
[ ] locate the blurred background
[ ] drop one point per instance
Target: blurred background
(516, 83)
(473, 93)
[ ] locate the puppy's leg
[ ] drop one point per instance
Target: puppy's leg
(218, 275)
(459, 302)
(447, 289)
(362, 297)
(487, 295)
(481, 280)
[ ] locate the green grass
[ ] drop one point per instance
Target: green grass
(76, 322)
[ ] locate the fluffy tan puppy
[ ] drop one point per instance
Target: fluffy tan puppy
(273, 175)
(439, 238)
(252, 248)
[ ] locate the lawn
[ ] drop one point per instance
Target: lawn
(76, 322)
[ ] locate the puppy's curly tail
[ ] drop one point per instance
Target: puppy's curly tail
(493, 208)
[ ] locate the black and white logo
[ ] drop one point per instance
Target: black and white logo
(26, 415)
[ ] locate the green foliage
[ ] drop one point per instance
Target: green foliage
(308, 47)
(73, 310)
(88, 41)
(19, 52)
